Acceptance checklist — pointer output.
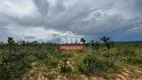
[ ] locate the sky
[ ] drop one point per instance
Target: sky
(42, 20)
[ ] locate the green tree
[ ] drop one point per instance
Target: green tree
(83, 40)
(1, 42)
(108, 42)
(10, 43)
(92, 43)
(97, 46)
(22, 42)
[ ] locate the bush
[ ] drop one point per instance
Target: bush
(134, 59)
(12, 67)
(82, 65)
(31, 58)
(61, 55)
(52, 61)
(95, 64)
(65, 68)
(41, 55)
(129, 52)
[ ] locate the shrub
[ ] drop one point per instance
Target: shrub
(61, 55)
(129, 52)
(31, 58)
(41, 55)
(65, 68)
(52, 61)
(95, 64)
(132, 57)
(135, 59)
(13, 67)
(82, 65)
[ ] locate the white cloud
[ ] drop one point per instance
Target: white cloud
(33, 34)
(41, 19)
(17, 8)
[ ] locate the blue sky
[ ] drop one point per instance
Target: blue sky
(42, 20)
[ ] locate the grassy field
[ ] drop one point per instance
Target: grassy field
(43, 61)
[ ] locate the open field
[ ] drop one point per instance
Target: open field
(35, 61)
(70, 39)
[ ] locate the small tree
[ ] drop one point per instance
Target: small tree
(92, 45)
(1, 42)
(10, 42)
(34, 42)
(107, 42)
(97, 46)
(1, 45)
(23, 43)
(83, 40)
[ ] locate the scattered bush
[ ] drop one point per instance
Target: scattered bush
(15, 59)
(65, 68)
(13, 67)
(129, 52)
(52, 61)
(134, 59)
(95, 64)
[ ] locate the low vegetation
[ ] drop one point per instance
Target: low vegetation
(104, 59)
